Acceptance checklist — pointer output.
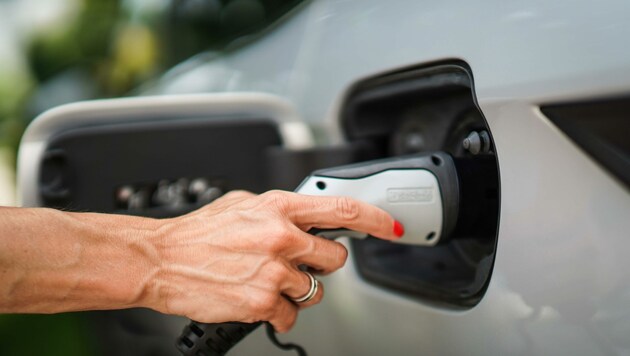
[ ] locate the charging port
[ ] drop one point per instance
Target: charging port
(425, 109)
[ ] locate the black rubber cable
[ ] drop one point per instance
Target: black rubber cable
(271, 333)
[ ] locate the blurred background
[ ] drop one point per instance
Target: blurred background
(54, 52)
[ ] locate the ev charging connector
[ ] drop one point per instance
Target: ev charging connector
(420, 191)
(423, 192)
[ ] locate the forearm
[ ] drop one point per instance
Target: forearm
(52, 261)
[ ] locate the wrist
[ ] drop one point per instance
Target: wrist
(154, 259)
(123, 256)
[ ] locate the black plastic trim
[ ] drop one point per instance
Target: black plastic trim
(601, 128)
(436, 99)
(98, 160)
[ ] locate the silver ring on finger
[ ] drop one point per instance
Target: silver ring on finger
(312, 291)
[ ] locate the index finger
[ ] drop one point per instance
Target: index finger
(341, 212)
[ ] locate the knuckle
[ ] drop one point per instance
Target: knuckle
(263, 305)
(310, 246)
(278, 238)
(277, 273)
(290, 320)
(277, 199)
(286, 322)
(347, 209)
(234, 194)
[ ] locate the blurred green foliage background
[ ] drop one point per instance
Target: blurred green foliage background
(58, 51)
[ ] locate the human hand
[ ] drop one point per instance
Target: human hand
(237, 259)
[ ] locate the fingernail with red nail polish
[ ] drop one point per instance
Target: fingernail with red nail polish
(399, 229)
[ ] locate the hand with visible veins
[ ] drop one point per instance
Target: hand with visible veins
(233, 260)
